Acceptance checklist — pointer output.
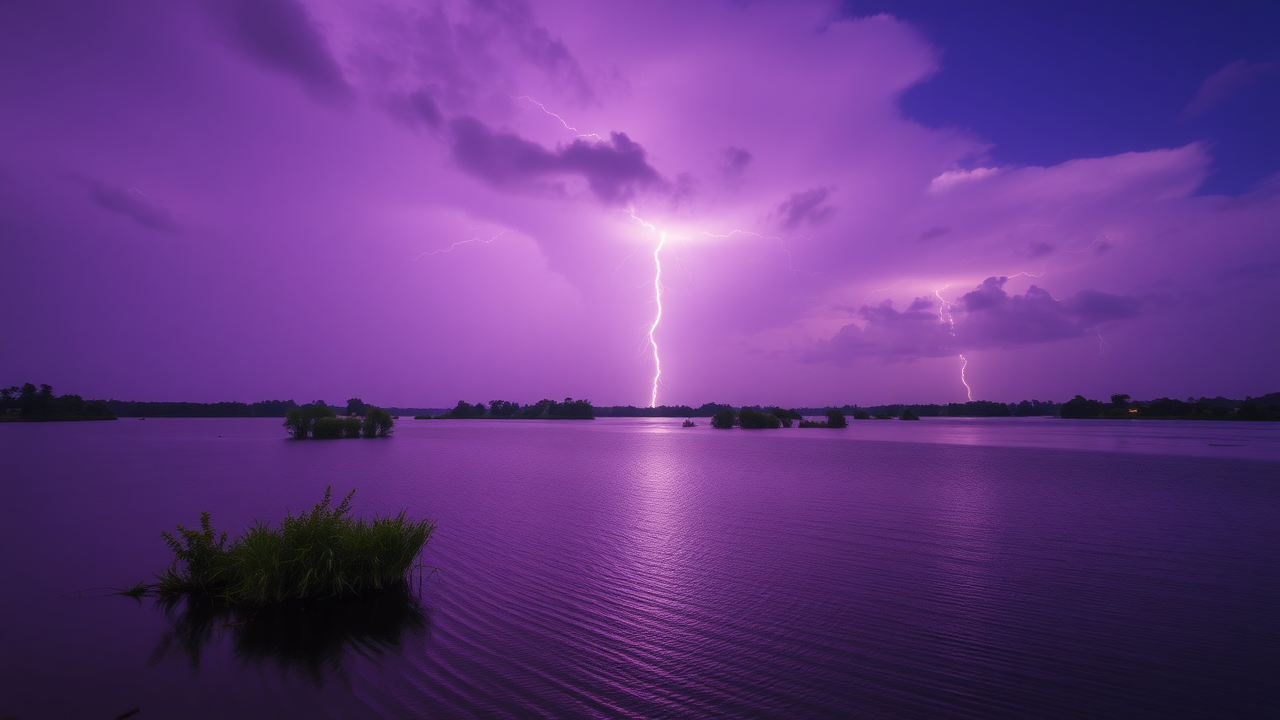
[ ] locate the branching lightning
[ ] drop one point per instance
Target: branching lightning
(657, 296)
(944, 315)
(460, 243)
(563, 122)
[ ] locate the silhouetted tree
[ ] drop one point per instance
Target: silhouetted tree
(723, 419)
(752, 419)
(836, 419)
(355, 406)
(910, 414)
(377, 422)
(1079, 407)
(301, 422)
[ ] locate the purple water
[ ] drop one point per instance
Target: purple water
(1018, 567)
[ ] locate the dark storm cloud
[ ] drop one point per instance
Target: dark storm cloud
(615, 170)
(536, 44)
(734, 161)
(989, 317)
(418, 110)
(806, 207)
(131, 203)
(985, 318)
(280, 35)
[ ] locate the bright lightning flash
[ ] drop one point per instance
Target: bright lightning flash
(657, 296)
(944, 315)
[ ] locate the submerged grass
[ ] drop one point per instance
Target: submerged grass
(317, 554)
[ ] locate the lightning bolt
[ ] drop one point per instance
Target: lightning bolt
(657, 281)
(657, 296)
(949, 319)
(1102, 344)
(563, 122)
(460, 243)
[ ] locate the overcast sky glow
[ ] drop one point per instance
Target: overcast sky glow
(417, 202)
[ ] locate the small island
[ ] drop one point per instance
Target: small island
(318, 421)
(321, 553)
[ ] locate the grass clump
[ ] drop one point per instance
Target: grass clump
(317, 554)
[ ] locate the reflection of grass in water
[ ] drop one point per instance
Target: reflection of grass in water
(316, 554)
(311, 637)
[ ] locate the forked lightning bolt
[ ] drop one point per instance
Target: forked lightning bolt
(950, 320)
(657, 296)
(460, 243)
(566, 125)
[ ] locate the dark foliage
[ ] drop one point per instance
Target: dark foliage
(317, 554)
(327, 428)
(301, 422)
(752, 419)
(862, 415)
(377, 423)
(724, 419)
(30, 403)
(1037, 408)
(503, 408)
(909, 414)
(1079, 407)
(785, 416)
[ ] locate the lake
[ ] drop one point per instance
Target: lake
(630, 567)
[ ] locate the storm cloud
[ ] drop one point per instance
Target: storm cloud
(615, 170)
(806, 207)
(984, 318)
(280, 35)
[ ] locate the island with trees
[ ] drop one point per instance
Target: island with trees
(319, 422)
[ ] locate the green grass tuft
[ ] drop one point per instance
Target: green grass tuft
(317, 554)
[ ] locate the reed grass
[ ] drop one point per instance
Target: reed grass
(317, 554)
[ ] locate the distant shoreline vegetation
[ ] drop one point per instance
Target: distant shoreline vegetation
(570, 409)
(1122, 407)
(31, 404)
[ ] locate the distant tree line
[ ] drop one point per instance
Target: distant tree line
(319, 421)
(1121, 406)
(704, 410)
(39, 404)
(570, 409)
(265, 408)
(750, 418)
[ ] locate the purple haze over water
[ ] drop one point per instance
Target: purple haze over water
(633, 568)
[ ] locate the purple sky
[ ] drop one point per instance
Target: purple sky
(414, 203)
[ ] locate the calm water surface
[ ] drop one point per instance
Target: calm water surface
(1017, 567)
